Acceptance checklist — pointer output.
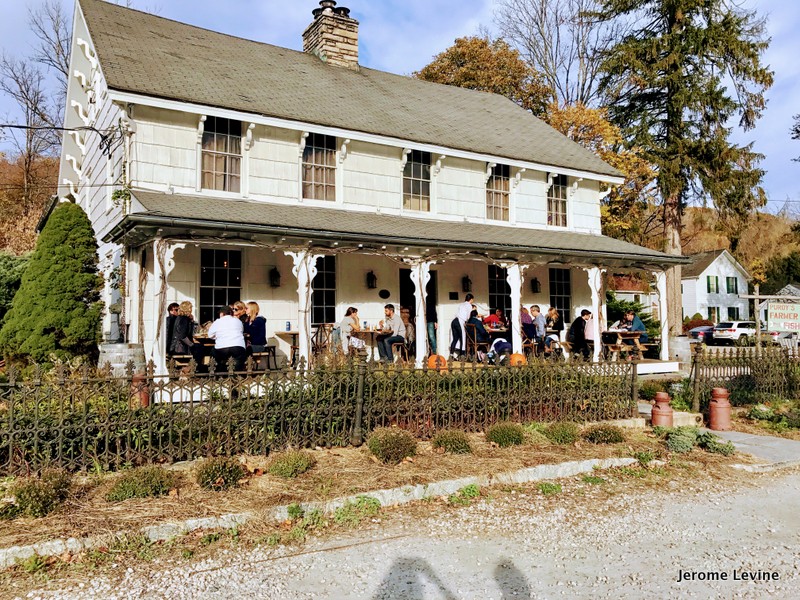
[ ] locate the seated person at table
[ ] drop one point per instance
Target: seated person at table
(576, 335)
(632, 322)
(345, 329)
(394, 331)
(495, 320)
(539, 323)
(181, 340)
(554, 326)
(528, 328)
(228, 335)
(255, 328)
(481, 335)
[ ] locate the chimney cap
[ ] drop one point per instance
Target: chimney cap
(329, 7)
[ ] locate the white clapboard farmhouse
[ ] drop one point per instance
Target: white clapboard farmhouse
(711, 286)
(215, 168)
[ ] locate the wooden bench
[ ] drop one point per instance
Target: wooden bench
(269, 355)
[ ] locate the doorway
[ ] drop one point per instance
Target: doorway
(407, 292)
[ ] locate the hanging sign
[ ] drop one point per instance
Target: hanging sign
(783, 316)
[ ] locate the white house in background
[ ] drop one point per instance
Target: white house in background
(215, 168)
(633, 289)
(711, 285)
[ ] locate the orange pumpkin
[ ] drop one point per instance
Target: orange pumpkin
(517, 360)
(438, 362)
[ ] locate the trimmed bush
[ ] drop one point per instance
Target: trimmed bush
(711, 443)
(563, 432)
(506, 434)
(291, 464)
(11, 271)
(57, 310)
(38, 497)
(219, 473)
(760, 412)
(604, 434)
(144, 482)
(391, 445)
(648, 389)
(682, 439)
(452, 441)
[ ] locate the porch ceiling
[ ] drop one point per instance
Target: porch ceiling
(216, 216)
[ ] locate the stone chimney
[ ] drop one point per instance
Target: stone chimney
(333, 35)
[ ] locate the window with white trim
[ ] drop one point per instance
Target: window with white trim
(561, 293)
(417, 181)
(319, 167)
(220, 281)
(712, 284)
(713, 313)
(222, 155)
(733, 285)
(499, 290)
(557, 202)
(323, 297)
(498, 187)
(733, 313)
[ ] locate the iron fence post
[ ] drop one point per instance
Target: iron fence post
(358, 435)
(695, 373)
(635, 387)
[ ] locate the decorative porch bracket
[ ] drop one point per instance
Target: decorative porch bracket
(304, 269)
(514, 277)
(163, 264)
(661, 287)
(420, 276)
(598, 310)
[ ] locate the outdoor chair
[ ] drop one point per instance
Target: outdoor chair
(529, 346)
(473, 345)
(269, 356)
(402, 349)
(322, 339)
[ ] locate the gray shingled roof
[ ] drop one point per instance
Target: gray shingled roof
(700, 262)
(198, 212)
(150, 55)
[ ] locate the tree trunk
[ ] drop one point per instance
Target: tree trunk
(672, 235)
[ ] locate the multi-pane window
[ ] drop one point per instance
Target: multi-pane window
(499, 290)
(733, 313)
(323, 298)
(557, 202)
(222, 155)
(733, 285)
(497, 192)
(712, 284)
(417, 181)
(561, 293)
(220, 281)
(319, 167)
(713, 313)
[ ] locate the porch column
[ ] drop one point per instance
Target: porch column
(514, 278)
(661, 287)
(133, 307)
(163, 264)
(598, 310)
(304, 269)
(420, 276)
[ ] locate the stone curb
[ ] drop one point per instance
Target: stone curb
(767, 468)
(389, 497)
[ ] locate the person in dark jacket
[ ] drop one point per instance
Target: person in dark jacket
(182, 334)
(172, 313)
(255, 329)
(481, 335)
(577, 334)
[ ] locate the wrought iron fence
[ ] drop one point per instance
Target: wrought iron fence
(88, 419)
(750, 374)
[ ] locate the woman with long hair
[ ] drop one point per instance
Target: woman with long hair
(255, 328)
(347, 327)
(182, 341)
(554, 326)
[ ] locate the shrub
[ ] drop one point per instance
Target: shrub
(644, 457)
(144, 482)
(711, 443)
(506, 434)
(452, 441)
(352, 513)
(391, 445)
(648, 389)
(682, 439)
(563, 432)
(11, 271)
(604, 434)
(219, 473)
(291, 464)
(57, 309)
(793, 419)
(37, 497)
(760, 412)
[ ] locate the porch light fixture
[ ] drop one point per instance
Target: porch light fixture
(466, 283)
(536, 287)
(275, 277)
(372, 280)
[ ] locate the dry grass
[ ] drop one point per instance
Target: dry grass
(740, 422)
(339, 472)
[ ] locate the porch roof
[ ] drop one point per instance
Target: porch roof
(216, 215)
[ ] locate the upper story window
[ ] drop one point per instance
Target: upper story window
(497, 193)
(712, 284)
(733, 285)
(557, 202)
(319, 167)
(222, 155)
(417, 181)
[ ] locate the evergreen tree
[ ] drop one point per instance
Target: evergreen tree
(11, 270)
(684, 70)
(57, 310)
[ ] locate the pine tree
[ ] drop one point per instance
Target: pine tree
(684, 70)
(57, 311)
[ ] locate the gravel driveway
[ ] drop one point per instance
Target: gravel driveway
(518, 546)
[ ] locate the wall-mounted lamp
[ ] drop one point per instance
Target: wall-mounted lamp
(536, 287)
(274, 277)
(372, 280)
(466, 284)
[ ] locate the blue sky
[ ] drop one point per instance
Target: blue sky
(401, 36)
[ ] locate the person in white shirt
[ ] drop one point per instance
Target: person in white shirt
(228, 335)
(459, 325)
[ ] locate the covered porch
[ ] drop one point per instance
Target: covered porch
(304, 266)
